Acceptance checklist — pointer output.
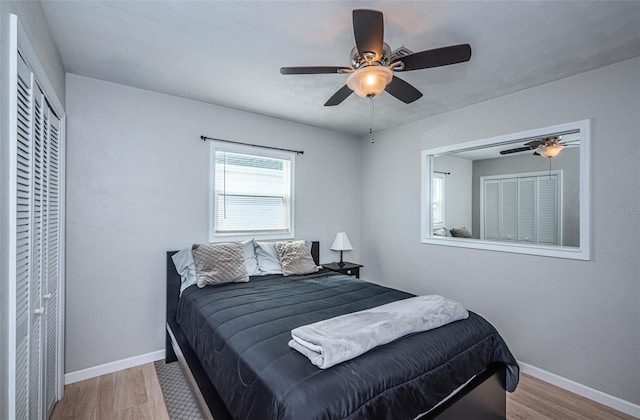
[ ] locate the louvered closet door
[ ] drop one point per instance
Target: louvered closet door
(51, 264)
(509, 209)
(23, 229)
(37, 250)
(37, 272)
(491, 225)
(527, 210)
(522, 209)
(548, 231)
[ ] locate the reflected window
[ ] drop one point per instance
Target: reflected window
(437, 200)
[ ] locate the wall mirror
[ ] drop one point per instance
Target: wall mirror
(525, 192)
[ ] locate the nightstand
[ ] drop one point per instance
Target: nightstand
(348, 268)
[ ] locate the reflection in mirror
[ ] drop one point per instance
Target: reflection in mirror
(525, 192)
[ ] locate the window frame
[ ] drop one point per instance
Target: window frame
(256, 151)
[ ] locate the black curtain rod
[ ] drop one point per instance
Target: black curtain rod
(298, 152)
(440, 172)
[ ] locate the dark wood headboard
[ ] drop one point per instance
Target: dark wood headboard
(173, 295)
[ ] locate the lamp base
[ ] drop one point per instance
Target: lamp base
(341, 263)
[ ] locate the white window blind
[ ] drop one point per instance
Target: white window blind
(252, 191)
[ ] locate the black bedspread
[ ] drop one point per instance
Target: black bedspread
(240, 332)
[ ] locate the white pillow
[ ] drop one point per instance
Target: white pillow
(268, 261)
(250, 260)
(186, 267)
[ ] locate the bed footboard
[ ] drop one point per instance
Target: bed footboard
(483, 398)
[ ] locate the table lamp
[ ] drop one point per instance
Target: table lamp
(341, 243)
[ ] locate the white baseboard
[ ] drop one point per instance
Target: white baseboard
(582, 390)
(92, 372)
(575, 387)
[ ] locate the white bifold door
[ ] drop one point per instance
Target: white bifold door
(522, 208)
(36, 255)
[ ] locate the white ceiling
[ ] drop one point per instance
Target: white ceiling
(229, 52)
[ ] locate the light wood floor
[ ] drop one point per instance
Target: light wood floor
(135, 394)
(536, 399)
(132, 393)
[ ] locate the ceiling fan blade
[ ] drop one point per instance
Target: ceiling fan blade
(435, 58)
(403, 90)
(339, 96)
(517, 149)
(314, 70)
(535, 143)
(368, 30)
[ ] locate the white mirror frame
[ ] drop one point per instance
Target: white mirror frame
(582, 252)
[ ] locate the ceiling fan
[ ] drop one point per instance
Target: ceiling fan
(547, 147)
(373, 64)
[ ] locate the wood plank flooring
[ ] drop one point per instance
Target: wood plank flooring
(536, 399)
(135, 394)
(132, 393)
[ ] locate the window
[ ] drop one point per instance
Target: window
(251, 192)
(437, 201)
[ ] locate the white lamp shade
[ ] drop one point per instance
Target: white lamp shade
(341, 243)
(369, 81)
(550, 151)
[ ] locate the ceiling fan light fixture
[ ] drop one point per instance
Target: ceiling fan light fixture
(369, 81)
(550, 151)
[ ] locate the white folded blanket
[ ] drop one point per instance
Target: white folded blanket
(335, 340)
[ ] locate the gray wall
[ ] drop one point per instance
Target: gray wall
(137, 186)
(568, 161)
(577, 319)
(33, 20)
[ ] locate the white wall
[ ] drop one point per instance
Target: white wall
(137, 186)
(577, 319)
(34, 23)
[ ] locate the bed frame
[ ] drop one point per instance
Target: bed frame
(482, 398)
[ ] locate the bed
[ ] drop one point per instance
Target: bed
(232, 342)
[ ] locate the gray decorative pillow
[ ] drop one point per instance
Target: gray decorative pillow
(219, 263)
(295, 258)
(460, 232)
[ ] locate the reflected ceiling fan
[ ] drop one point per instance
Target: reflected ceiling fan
(546, 147)
(373, 64)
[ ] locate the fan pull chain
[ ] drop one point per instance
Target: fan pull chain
(372, 121)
